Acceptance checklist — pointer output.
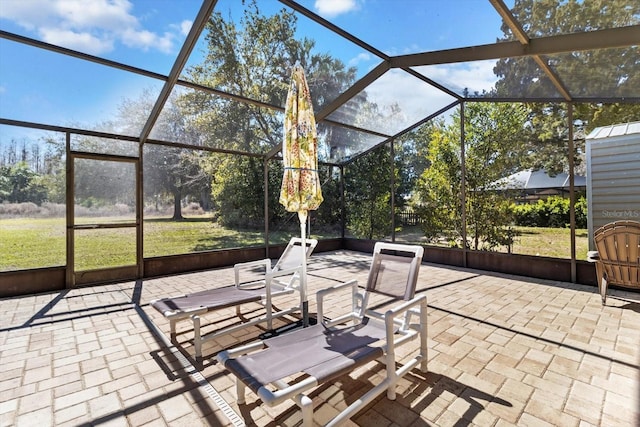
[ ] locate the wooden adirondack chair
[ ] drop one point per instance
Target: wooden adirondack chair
(618, 261)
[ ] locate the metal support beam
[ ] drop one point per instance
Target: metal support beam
(592, 40)
(572, 192)
(524, 39)
(463, 186)
(178, 65)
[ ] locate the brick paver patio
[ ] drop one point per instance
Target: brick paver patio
(504, 351)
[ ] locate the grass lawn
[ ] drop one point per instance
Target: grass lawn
(539, 241)
(551, 242)
(27, 243)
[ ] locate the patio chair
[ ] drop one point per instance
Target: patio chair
(281, 279)
(291, 365)
(618, 257)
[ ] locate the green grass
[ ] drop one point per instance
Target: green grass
(539, 241)
(27, 243)
(31, 243)
(551, 242)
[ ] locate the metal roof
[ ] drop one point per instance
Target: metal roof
(620, 129)
(538, 180)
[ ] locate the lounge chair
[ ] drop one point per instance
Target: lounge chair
(290, 365)
(618, 256)
(282, 279)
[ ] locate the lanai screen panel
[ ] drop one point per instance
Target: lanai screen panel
(55, 89)
(402, 27)
(602, 73)
(152, 30)
(337, 144)
(109, 146)
(392, 103)
(261, 68)
(480, 79)
(204, 119)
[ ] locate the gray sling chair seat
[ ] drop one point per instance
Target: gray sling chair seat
(290, 365)
(281, 279)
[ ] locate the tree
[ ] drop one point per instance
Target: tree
(368, 194)
(252, 59)
(19, 184)
(614, 71)
(168, 171)
(493, 148)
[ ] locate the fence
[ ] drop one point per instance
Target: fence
(408, 217)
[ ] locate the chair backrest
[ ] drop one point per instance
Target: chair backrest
(292, 255)
(618, 245)
(394, 270)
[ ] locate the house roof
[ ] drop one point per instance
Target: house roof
(615, 130)
(538, 180)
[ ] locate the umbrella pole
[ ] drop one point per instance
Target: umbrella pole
(303, 279)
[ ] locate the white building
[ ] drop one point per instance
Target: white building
(613, 175)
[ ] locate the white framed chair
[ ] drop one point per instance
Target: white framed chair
(293, 364)
(281, 279)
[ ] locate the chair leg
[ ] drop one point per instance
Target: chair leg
(172, 326)
(602, 282)
(197, 337)
(240, 392)
(306, 406)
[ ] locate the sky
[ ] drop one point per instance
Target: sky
(45, 87)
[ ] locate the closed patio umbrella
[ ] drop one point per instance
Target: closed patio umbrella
(300, 191)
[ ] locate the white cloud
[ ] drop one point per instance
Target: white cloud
(146, 39)
(185, 27)
(82, 41)
(360, 58)
(28, 14)
(474, 76)
(93, 26)
(104, 14)
(332, 8)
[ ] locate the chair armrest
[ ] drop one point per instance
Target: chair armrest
(273, 274)
(321, 294)
(232, 353)
(417, 306)
(410, 305)
(237, 268)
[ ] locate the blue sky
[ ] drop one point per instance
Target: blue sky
(48, 88)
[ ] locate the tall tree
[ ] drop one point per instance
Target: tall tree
(168, 171)
(607, 71)
(493, 147)
(368, 194)
(252, 58)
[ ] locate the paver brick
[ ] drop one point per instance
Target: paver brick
(502, 352)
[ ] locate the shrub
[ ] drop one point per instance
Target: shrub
(18, 209)
(193, 208)
(551, 212)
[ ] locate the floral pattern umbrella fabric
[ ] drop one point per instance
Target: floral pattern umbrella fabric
(300, 191)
